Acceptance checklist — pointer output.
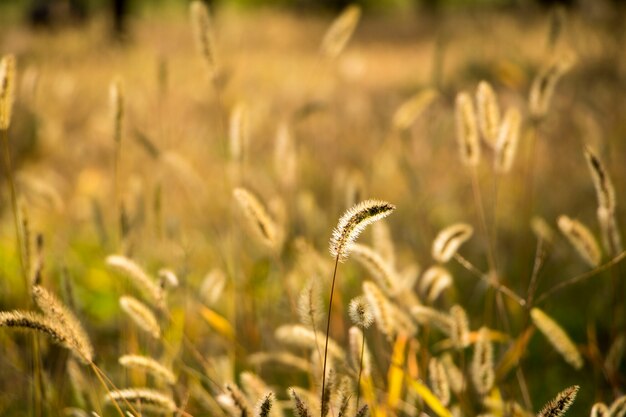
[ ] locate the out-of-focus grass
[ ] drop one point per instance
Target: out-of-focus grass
(62, 144)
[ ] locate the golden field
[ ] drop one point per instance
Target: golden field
(229, 170)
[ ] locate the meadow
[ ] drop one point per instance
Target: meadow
(169, 201)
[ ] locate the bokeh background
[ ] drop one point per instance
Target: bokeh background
(174, 207)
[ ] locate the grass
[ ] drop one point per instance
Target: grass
(163, 196)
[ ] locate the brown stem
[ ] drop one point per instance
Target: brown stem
(330, 309)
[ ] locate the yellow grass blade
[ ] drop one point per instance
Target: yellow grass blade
(218, 323)
(396, 372)
(429, 398)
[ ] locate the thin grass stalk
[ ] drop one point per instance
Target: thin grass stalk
(358, 382)
(330, 309)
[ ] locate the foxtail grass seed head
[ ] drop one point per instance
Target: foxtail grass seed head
(383, 273)
(150, 400)
(167, 278)
(582, 239)
(363, 411)
(459, 327)
(542, 229)
(116, 96)
(390, 320)
(141, 314)
(302, 337)
(412, 108)
(429, 316)
(258, 219)
(467, 130)
(618, 407)
(611, 238)
(353, 222)
(7, 90)
(559, 405)
(508, 138)
(482, 371)
(599, 410)
(28, 320)
(55, 310)
(449, 240)
(382, 242)
(456, 379)
(360, 312)
(434, 281)
(138, 277)
(301, 409)
(310, 308)
(605, 191)
(542, 88)
(203, 31)
(148, 365)
(212, 286)
(439, 381)
(239, 132)
(488, 113)
(340, 31)
(285, 157)
(238, 399)
(557, 337)
(264, 407)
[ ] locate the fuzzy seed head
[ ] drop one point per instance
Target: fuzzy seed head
(559, 405)
(449, 240)
(507, 140)
(141, 314)
(488, 113)
(340, 31)
(7, 90)
(467, 130)
(353, 222)
(557, 337)
(361, 312)
(582, 239)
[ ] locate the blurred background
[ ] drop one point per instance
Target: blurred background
(169, 203)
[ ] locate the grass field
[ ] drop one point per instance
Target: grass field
(206, 184)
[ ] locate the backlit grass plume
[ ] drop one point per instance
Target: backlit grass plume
(582, 239)
(482, 372)
(349, 227)
(353, 222)
(203, 31)
(148, 365)
(138, 277)
(410, 110)
(384, 274)
(488, 113)
(54, 309)
(148, 399)
(449, 240)
(28, 320)
(264, 407)
(605, 193)
(459, 327)
(557, 337)
(258, 219)
(434, 281)
(340, 31)
(439, 380)
(467, 130)
(141, 315)
(507, 140)
(599, 410)
(7, 90)
(542, 88)
(559, 405)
